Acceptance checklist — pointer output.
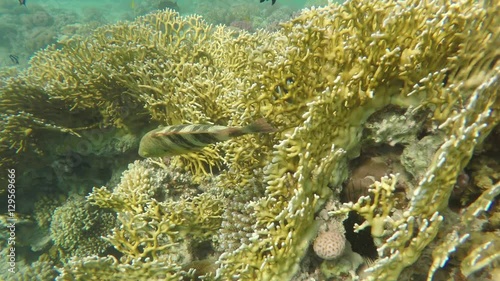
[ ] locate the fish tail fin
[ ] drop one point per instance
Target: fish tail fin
(259, 126)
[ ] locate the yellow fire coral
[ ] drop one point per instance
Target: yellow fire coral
(317, 80)
(150, 226)
(345, 63)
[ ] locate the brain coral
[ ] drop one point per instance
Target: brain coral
(318, 79)
(329, 244)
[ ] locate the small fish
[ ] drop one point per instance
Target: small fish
(14, 59)
(180, 139)
(22, 2)
(274, 1)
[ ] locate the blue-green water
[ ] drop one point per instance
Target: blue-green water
(26, 29)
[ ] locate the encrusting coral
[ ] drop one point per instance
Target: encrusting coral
(318, 79)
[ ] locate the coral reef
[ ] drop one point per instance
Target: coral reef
(333, 80)
(39, 270)
(417, 156)
(339, 80)
(392, 127)
(77, 227)
(154, 223)
(109, 269)
(44, 208)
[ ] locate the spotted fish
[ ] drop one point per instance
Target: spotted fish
(180, 139)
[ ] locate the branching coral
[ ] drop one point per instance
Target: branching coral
(77, 228)
(377, 210)
(38, 270)
(480, 253)
(161, 67)
(318, 79)
(137, 188)
(108, 268)
(165, 229)
(431, 196)
(346, 63)
(153, 223)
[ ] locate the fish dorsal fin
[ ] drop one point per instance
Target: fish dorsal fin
(165, 134)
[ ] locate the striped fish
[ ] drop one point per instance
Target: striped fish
(180, 139)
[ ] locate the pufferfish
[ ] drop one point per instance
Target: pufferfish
(180, 139)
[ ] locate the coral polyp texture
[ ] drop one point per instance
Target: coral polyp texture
(329, 244)
(252, 201)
